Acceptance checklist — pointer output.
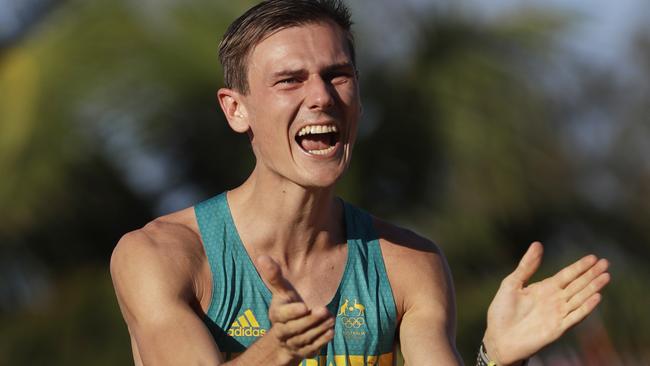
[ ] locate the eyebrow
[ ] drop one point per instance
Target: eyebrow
(328, 69)
(338, 67)
(289, 72)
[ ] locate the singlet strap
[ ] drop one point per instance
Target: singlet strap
(211, 218)
(364, 238)
(368, 285)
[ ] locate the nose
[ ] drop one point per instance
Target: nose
(319, 94)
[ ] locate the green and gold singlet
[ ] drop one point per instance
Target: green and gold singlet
(238, 313)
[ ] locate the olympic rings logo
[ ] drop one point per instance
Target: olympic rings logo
(353, 321)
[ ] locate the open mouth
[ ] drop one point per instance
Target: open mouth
(318, 139)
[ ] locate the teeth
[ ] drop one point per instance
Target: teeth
(322, 152)
(313, 130)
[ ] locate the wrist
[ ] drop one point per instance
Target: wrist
(495, 355)
(491, 350)
(266, 350)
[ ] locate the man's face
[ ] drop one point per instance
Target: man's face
(303, 104)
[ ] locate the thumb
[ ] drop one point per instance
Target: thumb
(529, 263)
(272, 274)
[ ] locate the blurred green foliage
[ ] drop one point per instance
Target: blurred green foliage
(476, 139)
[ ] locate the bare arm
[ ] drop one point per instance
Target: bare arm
(522, 318)
(154, 287)
(428, 327)
(156, 290)
(424, 296)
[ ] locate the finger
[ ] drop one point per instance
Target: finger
(313, 349)
(308, 337)
(279, 286)
(593, 287)
(287, 312)
(581, 312)
(529, 263)
(303, 324)
(570, 273)
(585, 279)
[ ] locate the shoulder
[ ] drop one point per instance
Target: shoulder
(416, 266)
(171, 240)
(164, 255)
(407, 251)
(399, 241)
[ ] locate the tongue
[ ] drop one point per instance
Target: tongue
(315, 142)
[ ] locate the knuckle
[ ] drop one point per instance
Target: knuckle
(281, 333)
(290, 331)
(592, 273)
(273, 314)
(295, 352)
(296, 342)
(310, 350)
(602, 280)
(276, 302)
(311, 353)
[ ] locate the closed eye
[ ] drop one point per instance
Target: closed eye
(339, 77)
(339, 74)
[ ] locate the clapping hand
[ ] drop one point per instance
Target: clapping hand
(297, 332)
(523, 318)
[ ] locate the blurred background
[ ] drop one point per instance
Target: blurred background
(487, 125)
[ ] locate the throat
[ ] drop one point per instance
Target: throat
(319, 283)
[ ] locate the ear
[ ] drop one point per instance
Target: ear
(235, 111)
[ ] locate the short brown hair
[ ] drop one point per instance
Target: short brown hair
(269, 16)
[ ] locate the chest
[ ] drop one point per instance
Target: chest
(356, 292)
(318, 282)
(353, 285)
(364, 329)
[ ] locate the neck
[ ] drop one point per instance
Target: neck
(279, 218)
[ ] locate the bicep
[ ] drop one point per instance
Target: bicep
(428, 327)
(424, 295)
(153, 298)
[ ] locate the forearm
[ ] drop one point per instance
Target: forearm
(427, 346)
(154, 348)
(264, 351)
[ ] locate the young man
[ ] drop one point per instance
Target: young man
(278, 271)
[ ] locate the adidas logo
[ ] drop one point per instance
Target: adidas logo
(246, 326)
